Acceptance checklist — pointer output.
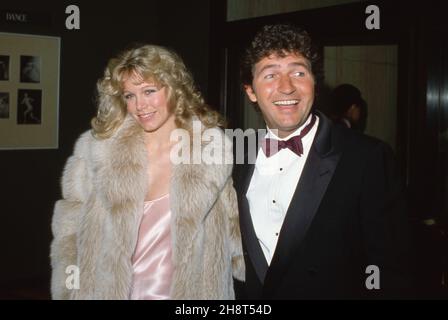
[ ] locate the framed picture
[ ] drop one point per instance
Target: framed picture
(29, 91)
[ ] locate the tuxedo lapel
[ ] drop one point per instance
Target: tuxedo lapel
(249, 236)
(317, 173)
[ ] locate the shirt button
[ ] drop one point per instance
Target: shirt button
(276, 234)
(273, 201)
(281, 169)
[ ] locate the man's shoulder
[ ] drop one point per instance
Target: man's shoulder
(342, 138)
(351, 140)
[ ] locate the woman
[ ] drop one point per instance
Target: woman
(134, 224)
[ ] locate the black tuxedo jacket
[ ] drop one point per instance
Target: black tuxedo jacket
(347, 213)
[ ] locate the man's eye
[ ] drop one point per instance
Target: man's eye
(269, 76)
(299, 74)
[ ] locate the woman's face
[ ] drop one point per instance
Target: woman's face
(147, 102)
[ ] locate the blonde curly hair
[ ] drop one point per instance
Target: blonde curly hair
(158, 64)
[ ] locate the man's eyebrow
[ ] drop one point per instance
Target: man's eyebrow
(268, 66)
(300, 64)
(292, 64)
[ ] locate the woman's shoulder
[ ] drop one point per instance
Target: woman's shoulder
(83, 142)
(87, 144)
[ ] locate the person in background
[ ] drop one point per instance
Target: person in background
(349, 108)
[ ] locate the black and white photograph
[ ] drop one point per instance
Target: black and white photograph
(29, 106)
(4, 105)
(4, 68)
(30, 69)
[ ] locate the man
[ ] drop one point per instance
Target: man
(323, 207)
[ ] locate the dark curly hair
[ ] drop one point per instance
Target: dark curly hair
(280, 39)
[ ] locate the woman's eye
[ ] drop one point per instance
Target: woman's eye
(127, 96)
(149, 91)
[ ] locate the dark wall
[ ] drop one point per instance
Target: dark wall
(30, 179)
(185, 28)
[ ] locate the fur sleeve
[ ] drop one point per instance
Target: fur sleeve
(234, 231)
(63, 251)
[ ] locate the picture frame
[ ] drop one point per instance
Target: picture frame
(29, 91)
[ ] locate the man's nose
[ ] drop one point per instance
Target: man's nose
(285, 85)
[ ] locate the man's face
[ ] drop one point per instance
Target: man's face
(284, 91)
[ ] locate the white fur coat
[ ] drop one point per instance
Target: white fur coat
(95, 225)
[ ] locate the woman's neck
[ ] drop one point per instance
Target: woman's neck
(161, 138)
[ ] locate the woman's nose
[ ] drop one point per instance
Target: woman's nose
(139, 103)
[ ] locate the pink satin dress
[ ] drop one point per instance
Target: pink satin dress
(152, 262)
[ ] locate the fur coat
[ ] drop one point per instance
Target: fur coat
(95, 225)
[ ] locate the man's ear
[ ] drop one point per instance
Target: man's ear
(250, 92)
(354, 113)
(350, 111)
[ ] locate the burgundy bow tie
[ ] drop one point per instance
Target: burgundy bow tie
(272, 146)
